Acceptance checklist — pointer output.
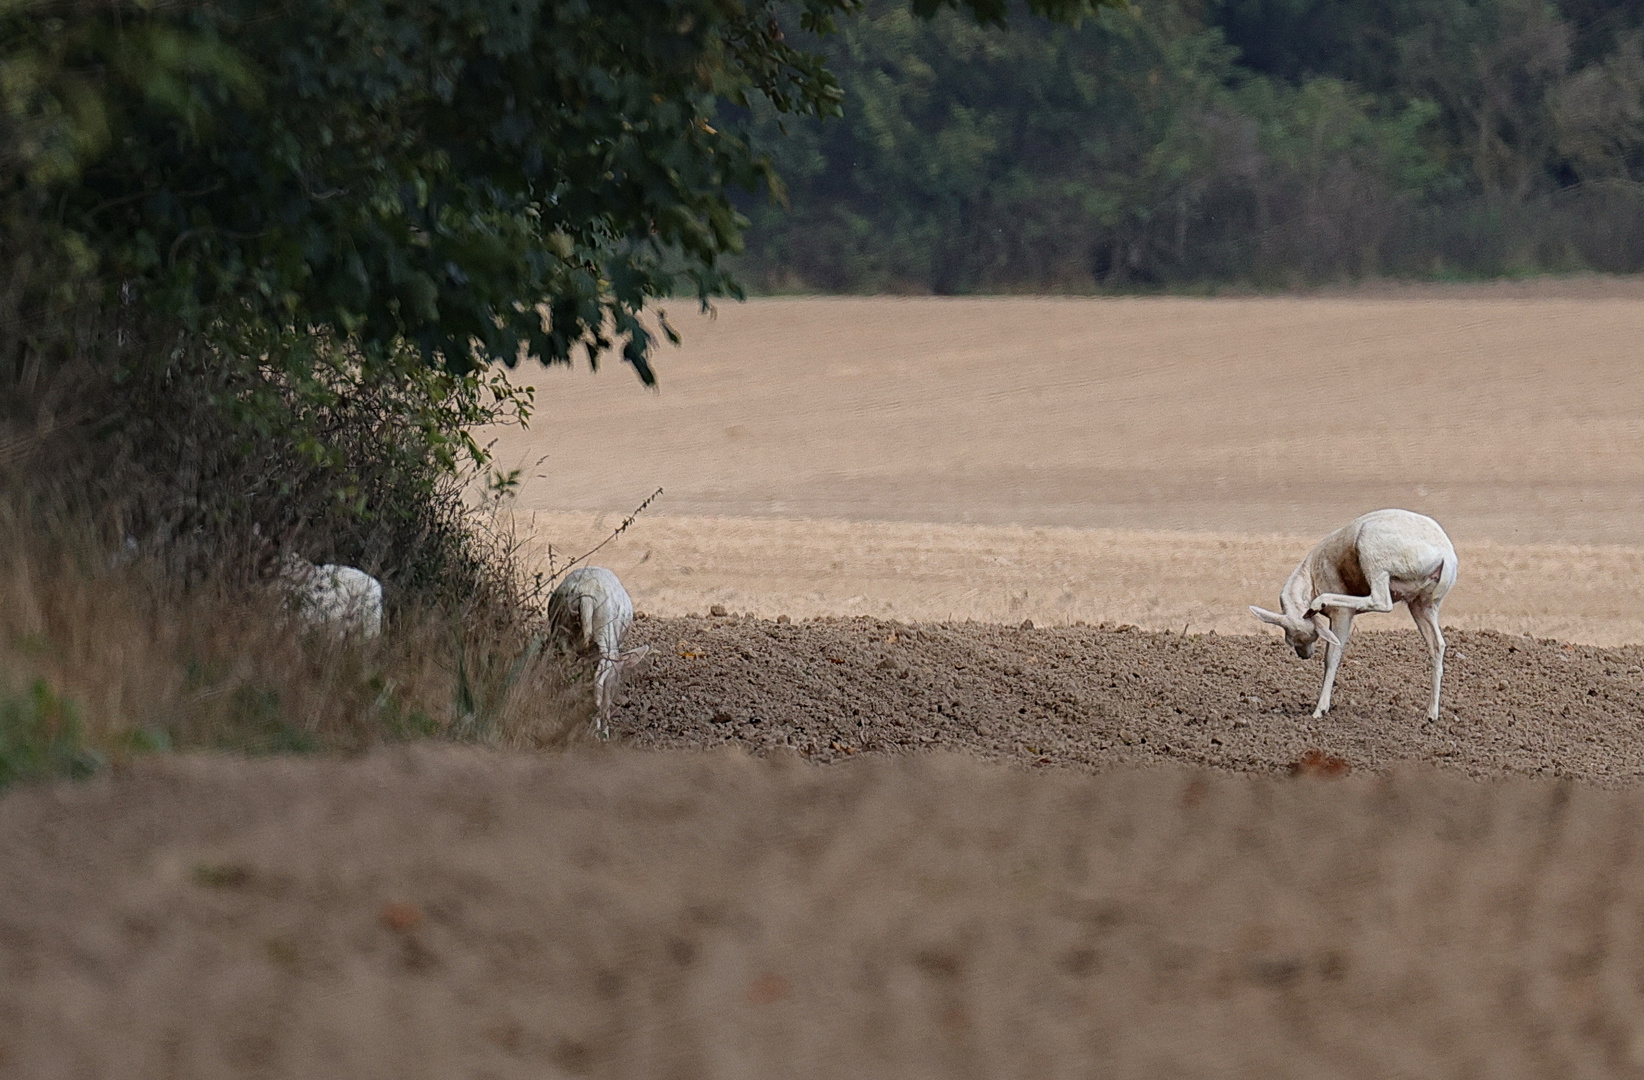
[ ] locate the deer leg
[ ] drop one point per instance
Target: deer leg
(1426, 615)
(605, 676)
(586, 609)
(1341, 624)
(1380, 598)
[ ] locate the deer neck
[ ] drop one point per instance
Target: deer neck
(1298, 593)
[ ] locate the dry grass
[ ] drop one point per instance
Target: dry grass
(111, 660)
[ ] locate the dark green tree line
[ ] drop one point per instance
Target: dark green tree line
(1266, 141)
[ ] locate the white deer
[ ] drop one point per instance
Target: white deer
(342, 598)
(1369, 564)
(591, 612)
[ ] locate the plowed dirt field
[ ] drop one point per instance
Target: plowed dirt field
(1093, 698)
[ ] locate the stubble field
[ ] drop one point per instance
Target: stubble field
(1162, 462)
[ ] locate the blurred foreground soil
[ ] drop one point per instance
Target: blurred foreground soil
(1316, 902)
(458, 913)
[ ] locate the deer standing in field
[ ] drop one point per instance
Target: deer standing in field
(590, 611)
(1369, 564)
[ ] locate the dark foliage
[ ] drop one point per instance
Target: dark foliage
(1269, 142)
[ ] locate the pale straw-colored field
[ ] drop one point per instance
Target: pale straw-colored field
(1154, 461)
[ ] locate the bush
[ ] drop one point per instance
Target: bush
(150, 662)
(41, 737)
(170, 374)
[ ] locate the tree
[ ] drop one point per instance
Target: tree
(1130, 151)
(484, 180)
(257, 262)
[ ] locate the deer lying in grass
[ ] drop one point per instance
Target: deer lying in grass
(340, 597)
(1370, 564)
(591, 612)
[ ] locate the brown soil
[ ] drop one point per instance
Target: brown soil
(1062, 909)
(463, 914)
(1094, 698)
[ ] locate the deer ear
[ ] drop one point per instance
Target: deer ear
(1271, 617)
(1325, 632)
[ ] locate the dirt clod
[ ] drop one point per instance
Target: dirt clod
(768, 988)
(399, 916)
(1319, 763)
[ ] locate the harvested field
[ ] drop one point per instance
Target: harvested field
(1511, 417)
(456, 913)
(1160, 461)
(915, 572)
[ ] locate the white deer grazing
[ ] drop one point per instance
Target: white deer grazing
(1369, 564)
(591, 612)
(340, 597)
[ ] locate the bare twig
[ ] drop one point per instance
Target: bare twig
(554, 575)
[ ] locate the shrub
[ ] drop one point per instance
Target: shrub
(149, 661)
(41, 737)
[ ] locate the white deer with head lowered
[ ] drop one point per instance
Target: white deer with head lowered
(1369, 564)
(591, 612)
(341, 598)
